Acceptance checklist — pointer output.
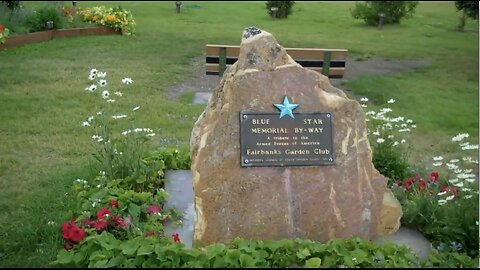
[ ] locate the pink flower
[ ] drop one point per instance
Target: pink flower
(154, 209)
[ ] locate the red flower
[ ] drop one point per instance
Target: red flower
(150, 233)
(398, 182)
(176, 238)
(452, 190)
(408, 183)
(2, 28)
(113, 203)
(119, 222)
(72, 233)
(76, 234)
(102, 212)
(68, 245)
(422, 185)
(100, 225)
(154, 209)
(434, 177)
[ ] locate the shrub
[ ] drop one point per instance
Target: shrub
(44, 14)
(390, 153)
(12, 5)
(470, 8)
(116, 17)
(284, 8)
(394, 11)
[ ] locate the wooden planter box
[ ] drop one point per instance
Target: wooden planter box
(15, 41)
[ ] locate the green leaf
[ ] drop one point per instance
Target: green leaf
(129, 247)
(116, 261)
(215, 250)
(65, 257)
(98, 264)
(302, 254)
(246, 261)
(145, 250)
(313, 262)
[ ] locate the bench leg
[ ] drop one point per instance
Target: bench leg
(326, 63)
(222, 61)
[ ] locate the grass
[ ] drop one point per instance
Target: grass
(44, 147)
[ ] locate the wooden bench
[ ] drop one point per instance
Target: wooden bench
(329, 62)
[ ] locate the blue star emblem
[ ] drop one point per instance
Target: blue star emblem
(286, 108)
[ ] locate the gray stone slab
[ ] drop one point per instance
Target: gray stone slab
(179, 186)
(202, 97)
(410, 238)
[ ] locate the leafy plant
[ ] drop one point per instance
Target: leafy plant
(44, 14)
(4, 33)
(394, 11)
(116, 17)
(444, 209)
(386, 136)
(468, 8)
(12, 5)
(105, 251)
(284, 8)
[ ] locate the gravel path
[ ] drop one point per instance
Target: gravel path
(199, 82)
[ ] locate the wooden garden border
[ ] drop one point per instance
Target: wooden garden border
(15, 41)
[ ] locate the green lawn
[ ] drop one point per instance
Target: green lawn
(43, 101)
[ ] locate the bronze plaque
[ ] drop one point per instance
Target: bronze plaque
(268, 140)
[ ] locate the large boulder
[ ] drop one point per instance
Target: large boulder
(312, 202)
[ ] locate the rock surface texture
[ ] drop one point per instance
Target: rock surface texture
(310, 202)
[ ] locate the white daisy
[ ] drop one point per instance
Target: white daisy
(92, 87)
(105, 94)
(380, 140)
(391, 101)
(364, 99)
(91, 77)
(442, 202)
(93, 71)
(85, 124)
(118, 93)
(119, 116)
(127, 81)
(102, 74)
(136, 108)
(102, 83)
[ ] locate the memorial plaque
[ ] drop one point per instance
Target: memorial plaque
(267, 140)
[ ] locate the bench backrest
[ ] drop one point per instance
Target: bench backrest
(329, 62)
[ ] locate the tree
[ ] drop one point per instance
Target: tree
(393, 11)
(284, 8)
(11, 4)
(468, 8)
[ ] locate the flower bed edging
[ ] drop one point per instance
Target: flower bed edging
(15, 41)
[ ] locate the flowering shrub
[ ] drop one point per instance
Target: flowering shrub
(4, 33)
(116, 17)
(386, 135)
(124, 200)
(444, 208)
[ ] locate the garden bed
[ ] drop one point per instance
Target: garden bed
(15, 41)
